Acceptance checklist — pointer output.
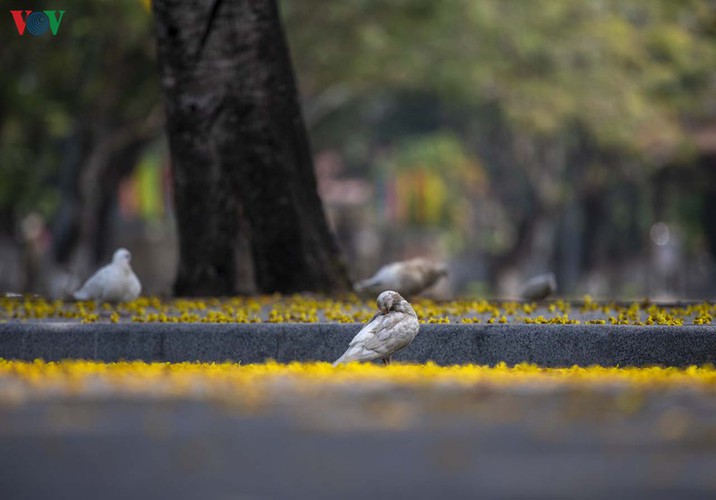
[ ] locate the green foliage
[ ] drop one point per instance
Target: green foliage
(627, 71)
(561, 100)
(61, 94)
(441, 152)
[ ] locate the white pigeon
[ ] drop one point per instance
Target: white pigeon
(539, 287)
(115, 282)
(392, 328)
(408, 277)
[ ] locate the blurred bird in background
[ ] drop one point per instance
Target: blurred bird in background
(115, 282)
(407, 278)
(539, 287)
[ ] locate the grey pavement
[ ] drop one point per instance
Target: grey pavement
(379, 444)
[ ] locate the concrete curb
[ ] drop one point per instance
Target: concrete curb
(445, 344)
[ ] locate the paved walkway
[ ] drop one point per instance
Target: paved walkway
(412, 444)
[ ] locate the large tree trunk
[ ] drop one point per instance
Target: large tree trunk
(240, 152)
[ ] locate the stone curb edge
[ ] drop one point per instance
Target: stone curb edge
(444, 344)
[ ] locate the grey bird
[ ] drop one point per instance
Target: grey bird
(115, 282)
(539, 287)
(392, 328)
(408, 277)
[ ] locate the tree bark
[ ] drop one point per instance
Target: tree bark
(240, 153)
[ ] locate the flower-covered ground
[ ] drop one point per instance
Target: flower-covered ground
(255, 383)
(199, 430)
(351, 309)
(272, 430)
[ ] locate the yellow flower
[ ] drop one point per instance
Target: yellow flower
(250, 381)
(311, 309)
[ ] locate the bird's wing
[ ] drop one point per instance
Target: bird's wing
(418, 276)
(383, 279)
(94, 287)
(394, 333)
(388, 272)
(356, 350)
(368, 330)
(411, 282)
(132, 287)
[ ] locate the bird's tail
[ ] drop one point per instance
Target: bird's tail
(356, 354)
(366, 284)
(72, 287)
(348, 356)
(340, 360)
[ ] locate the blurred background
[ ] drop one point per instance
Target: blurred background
(506, 137)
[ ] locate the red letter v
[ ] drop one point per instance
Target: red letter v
(19, 21)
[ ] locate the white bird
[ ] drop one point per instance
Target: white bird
(539, 287)
(392, 328)
(115, 282)
(408, 277)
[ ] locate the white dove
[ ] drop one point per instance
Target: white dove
(539, 287)
(392, 328)
(115, 282)
(408, 277)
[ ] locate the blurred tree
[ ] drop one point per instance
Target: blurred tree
(566, 102)
(242, 163)
(77, 108)
(575, 110)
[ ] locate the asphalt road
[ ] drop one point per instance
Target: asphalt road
(520, 442)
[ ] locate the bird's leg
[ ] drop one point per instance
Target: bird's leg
(386, 360)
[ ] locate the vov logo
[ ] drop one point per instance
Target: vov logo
(37, 22)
